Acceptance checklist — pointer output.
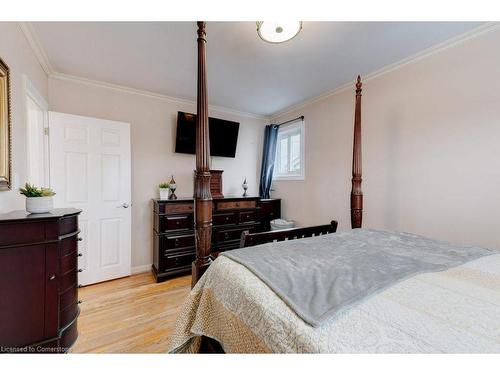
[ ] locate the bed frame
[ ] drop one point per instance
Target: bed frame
(252, 239)
(203, 198)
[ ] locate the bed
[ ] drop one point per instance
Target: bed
(454, 311)
(353, 291)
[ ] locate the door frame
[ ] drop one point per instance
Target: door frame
(91, 245)
(29, 90)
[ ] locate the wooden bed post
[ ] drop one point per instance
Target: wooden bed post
(356, 193)
(202, 195)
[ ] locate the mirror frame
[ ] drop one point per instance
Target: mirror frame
(5, 128)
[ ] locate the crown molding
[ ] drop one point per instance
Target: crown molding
(32, 38)
(149, 94)
(43, 59)
(37, 48)
(471, 34)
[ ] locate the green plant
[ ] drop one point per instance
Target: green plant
(31, 191)
(47, 192)
(164, 185)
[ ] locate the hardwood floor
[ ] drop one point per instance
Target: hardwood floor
(129, 315)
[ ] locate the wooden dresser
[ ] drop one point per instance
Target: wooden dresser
(173, 231)
(38, 281)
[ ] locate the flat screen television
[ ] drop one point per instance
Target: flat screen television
(223, 135)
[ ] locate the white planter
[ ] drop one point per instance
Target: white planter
(39, 205)
(163, 194)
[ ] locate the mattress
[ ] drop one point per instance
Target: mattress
(454, 311)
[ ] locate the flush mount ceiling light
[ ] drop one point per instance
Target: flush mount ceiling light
(278, 32)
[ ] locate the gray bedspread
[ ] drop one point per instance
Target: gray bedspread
(320, 277)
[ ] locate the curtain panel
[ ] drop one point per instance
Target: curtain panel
(268, 156)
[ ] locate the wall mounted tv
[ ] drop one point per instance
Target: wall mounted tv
(223, 135)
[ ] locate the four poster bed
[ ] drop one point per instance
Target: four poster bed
(358, 290)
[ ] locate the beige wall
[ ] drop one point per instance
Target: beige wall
(153, 123)
(17, 54)
(431, 149)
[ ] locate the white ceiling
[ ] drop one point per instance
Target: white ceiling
(244, 72)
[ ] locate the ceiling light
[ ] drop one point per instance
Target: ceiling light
(278, 32)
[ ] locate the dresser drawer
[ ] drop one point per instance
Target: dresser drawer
(224, 219)
(68, 314)
(67, 280)
(67, 262)
(68, 224)
(232, 205)
(168, 243)
(178, 260)
(68, 246)
(11, 234)
(68, 298)
(174, 222)
(174, 208)
(232, 234)
(247, 216)
(270, 209)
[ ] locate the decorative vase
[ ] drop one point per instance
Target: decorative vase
(163, 193)
(173, 186)
(245, 187)
(39, 205)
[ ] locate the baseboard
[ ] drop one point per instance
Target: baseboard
(141, 269)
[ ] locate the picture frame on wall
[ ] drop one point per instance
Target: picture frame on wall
(5, 127)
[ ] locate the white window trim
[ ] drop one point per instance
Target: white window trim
(302, 174)
(31, 91)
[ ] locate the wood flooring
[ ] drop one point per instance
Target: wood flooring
(129, 315)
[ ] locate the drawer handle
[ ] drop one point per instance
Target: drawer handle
(79, 239)
(177, 222)
(52, 277)
(80, 254)
(176, 242)
(227, 218)
(80, 270)
(226, 235)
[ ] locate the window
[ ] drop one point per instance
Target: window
(37, 136)
(289, 162)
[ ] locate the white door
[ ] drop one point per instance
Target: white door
(90, 169)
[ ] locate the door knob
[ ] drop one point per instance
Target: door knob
(124, 205)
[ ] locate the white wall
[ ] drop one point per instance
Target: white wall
(18, 55)
(153, 126)
(431, 149)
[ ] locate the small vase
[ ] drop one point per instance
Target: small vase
(245, 187)
(39, 205)
(163, 193)
(173, 187)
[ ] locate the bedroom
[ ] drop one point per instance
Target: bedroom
(115, 96)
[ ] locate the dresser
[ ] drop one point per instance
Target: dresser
(173, 229)
(38, 281)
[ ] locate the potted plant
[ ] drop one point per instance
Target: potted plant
(38, 200)
(164, 186)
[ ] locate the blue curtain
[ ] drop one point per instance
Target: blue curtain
(268, 156)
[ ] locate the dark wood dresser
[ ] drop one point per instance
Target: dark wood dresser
(173, 230)
(38, 281)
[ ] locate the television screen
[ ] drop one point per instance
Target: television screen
(223, 135)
